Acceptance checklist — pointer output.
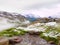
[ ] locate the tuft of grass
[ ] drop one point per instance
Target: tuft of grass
(12, 32)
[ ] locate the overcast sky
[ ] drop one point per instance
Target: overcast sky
(37, 7)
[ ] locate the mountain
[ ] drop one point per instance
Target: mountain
(55, 16)
(31, 17)
(14, 18)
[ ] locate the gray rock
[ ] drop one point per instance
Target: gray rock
(32, 40)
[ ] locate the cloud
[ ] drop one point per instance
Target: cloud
(22, 5)
(43, 4)
(45, 12)
(37, 7)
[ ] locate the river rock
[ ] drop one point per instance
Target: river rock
(4, 41)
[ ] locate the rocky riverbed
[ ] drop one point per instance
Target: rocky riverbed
(28, 39)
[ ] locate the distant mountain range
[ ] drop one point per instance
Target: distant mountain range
(55, 16)
(30, 17)
(15, 17)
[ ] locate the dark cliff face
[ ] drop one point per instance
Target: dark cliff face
(12, 16)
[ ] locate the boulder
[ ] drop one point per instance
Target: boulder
(4, 41)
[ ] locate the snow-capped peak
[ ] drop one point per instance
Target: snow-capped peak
(32, 15)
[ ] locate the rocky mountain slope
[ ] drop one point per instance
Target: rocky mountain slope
(14, 17)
